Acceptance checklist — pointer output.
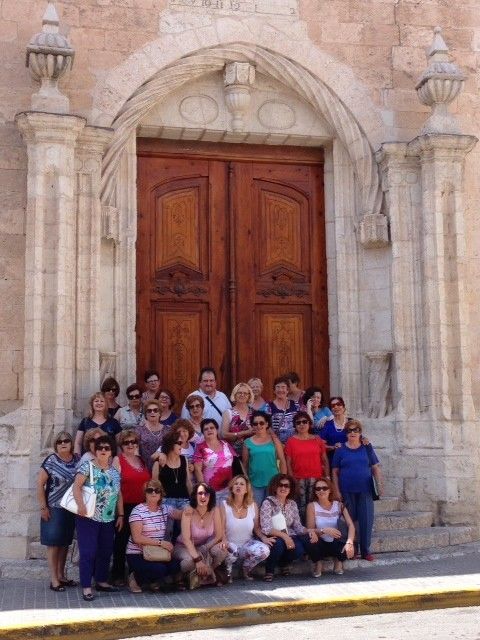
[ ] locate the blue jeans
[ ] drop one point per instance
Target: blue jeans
(259, 495)
(95, 544)
(281, 556)
(360, 508)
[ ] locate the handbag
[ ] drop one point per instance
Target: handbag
(342, 526)
(373, 481)
(154, 553)
(89, 496)
(278, 519)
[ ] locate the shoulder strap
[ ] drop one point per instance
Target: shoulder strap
(90, 465)
(213, 405)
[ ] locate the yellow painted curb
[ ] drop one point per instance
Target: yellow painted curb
(157, 621)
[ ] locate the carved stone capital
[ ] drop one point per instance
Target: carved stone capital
(238, 79)
(447, 146)
(374, 231)
(50, 128)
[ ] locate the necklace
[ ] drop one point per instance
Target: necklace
(238, 510)
(200, 516)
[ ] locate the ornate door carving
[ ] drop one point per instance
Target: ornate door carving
(230, 263)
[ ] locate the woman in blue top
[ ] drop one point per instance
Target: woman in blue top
(316, 409)
(353, 465)
(96, 534)
(332, 431)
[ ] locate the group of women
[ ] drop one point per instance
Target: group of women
(183, 501)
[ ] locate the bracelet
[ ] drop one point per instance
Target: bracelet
(197, 559)
(348, 542)
(121, 515)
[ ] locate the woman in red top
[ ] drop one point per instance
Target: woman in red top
(134, 474)
(306, 457)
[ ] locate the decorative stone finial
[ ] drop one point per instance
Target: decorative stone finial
(238, 79)
(438, 86)
(49, 57)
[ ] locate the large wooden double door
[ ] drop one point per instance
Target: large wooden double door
(231, 268)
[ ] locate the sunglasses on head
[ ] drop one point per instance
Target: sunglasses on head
(152, 490)
(354, 430)
(127, 442)
(64, 441)
(103, 447)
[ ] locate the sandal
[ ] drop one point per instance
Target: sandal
(317, 570)
(268, 577)
(133, 585)
(88, 597)
(338, 568)
(59, 587)
(247, 576)
(69, 583)
(285, 571)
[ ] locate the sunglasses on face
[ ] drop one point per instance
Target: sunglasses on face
(354, 430)
(179, 442)
(103, 447)
(202, 493)
(336, 404)
(65, 441)
(134, 396)
(152, 410)
(259, 423)
(284, 485)
(321, 488)
(302, 422)
(128, 442)
(195, 406)
(152, 490)
(164, 398)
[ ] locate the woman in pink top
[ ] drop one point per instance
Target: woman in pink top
(213, 459)
(306, 457)
(200, 546)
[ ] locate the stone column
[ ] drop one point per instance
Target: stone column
(447, 381)
(50, 276)
(90, 148)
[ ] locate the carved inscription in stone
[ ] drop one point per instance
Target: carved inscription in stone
(265, 7)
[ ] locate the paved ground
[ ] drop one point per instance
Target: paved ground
(29, 602)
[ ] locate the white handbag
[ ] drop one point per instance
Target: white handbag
(89, 496)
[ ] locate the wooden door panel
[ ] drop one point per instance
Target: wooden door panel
(180, 344)
(283, 339)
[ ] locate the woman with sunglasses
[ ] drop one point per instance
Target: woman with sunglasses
(134, 474)
(97, 418)
(333, 430)
(322, 515)
(195, 405)
(149, 526)
(200, 546)
(243, 536)
(89, 440)
(96, 534)
(150, 433)
(57, 525)
(262, 455)
(353, 465)
(280, 521)
(131, 416)
(110, 388)
(306, 458)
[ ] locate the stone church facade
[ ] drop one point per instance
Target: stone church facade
(390, 99)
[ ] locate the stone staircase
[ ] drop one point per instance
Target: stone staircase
(396, 532)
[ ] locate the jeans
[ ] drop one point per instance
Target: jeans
(281, 556)
(320, 550)
(95, 544)
(259, 495)
(120, 545)
(360, 508)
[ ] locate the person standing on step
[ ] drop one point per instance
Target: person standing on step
(216, 402)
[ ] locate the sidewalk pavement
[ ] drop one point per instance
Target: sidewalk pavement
(431, 579)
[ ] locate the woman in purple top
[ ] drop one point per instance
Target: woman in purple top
(353, 465)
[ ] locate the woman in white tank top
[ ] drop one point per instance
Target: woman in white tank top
(240, 521)
(322, 515)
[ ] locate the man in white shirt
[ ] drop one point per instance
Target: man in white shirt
(216, 402)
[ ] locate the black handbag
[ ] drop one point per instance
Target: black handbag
(342, 526)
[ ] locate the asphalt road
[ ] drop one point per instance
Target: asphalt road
(457, 624)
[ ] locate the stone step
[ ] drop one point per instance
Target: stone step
(394, 520)
(425, 538)
(387, 504)
(37, 551)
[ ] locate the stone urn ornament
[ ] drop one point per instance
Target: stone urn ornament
(439, 85)
(49, 57)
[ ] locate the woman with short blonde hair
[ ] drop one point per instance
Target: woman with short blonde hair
(236, 425)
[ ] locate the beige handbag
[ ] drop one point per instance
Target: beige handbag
(154, 553)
